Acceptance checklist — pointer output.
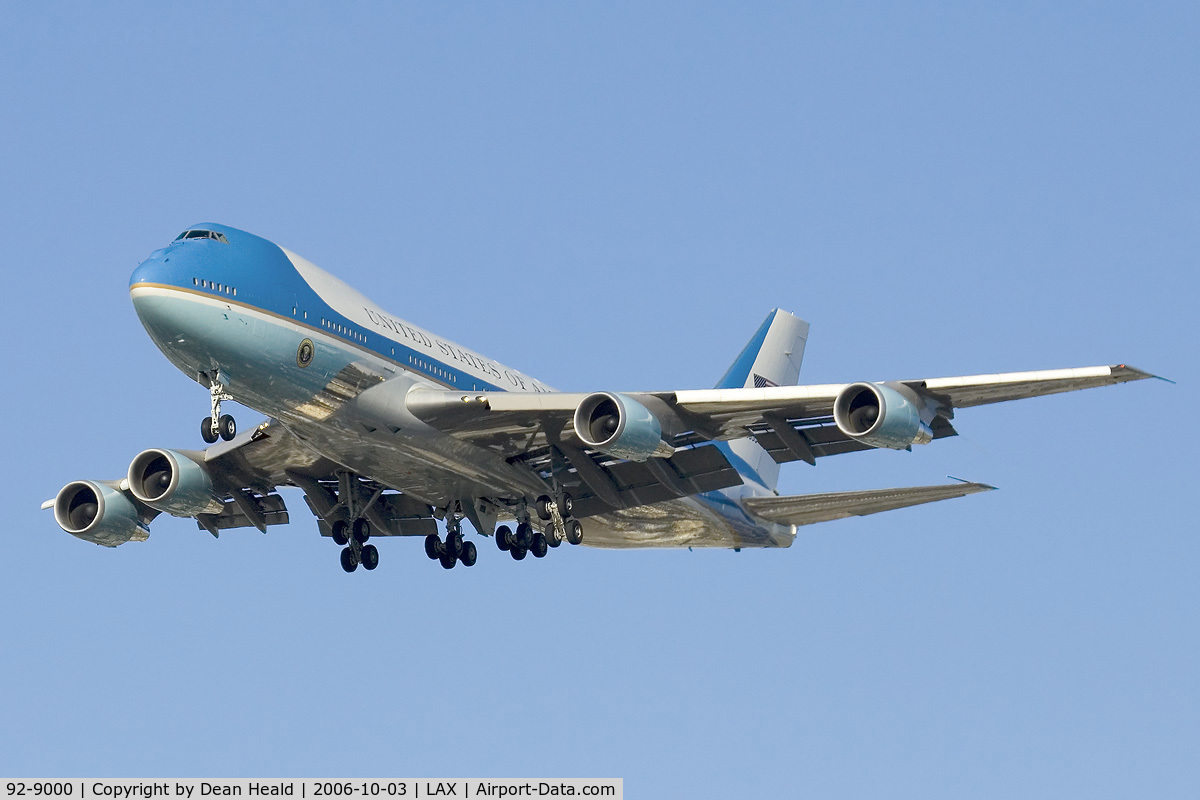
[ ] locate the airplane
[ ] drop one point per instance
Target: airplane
(388, 428)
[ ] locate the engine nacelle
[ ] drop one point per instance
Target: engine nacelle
(98, 513)
(880, 416)
(619, 426)
(169, 481)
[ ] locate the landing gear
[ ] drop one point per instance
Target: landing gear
(355, 552)
(469, 554)
(453, 550)
(562, 526)
(504, 537)
(217, 425)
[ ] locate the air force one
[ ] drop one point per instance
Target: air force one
(388, 428)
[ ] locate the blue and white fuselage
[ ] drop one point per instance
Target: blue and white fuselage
(300, 346)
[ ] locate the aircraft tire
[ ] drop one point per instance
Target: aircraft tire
(502, 537)
(433, 546)
(448, 561)
(454, 543)
(552, 537)
(206, 431)
(539, 547)
(339, 532)
(524, 536)
(566, 505)
(349, 562)
(370, 557)
(469, 554)
(227, 427)
(574, 531)
(362, 530)
(518, 553)
(542, 506)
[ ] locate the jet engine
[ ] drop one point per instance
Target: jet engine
(880, 416)
(169, 481)
(619, 426)
(98, 513)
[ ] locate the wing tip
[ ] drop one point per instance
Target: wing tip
(1124, 373)
(975, 486)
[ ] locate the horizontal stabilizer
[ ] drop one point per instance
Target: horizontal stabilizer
(809, 508)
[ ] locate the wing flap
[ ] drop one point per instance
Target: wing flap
(811, 508)
(250, 512)
(633, 483)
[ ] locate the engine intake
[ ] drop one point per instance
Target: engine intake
(619, 426)
(98, 513)
(879, 416)
(169, 481)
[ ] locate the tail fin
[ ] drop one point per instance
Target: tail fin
(772, 358)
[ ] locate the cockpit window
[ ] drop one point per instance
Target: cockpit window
(199, 234)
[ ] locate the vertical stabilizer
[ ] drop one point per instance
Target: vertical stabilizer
(771, 358)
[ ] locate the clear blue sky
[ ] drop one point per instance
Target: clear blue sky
(612, 196)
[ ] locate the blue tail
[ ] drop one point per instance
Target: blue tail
(771, 358)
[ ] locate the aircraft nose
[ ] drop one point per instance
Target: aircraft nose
(154, 269)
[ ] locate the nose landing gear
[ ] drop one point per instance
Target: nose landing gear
(217, 425)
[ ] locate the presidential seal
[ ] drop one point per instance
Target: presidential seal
(305, 353)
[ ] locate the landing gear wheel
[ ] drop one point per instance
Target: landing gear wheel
(340, 532)
(370, 557)
(503, 535)
(566, 505)
(542, 506)
(552, 536)
(524, 536)
(454, 543)
(539, 546)
(433, 547)
(469, 554)
(448, 561)
(206, 431)
(574, 531)
(362, 530)
(349, 561)
(227, 427)
(518, 553)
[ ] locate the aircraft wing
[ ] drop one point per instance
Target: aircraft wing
(810, 508)
(245, 475)
(790, 422)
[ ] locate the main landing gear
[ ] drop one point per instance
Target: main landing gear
(218, 425)
(454, 549)
(356, 551)
(560, 527)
